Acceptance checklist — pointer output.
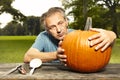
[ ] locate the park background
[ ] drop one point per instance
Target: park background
(18, 35)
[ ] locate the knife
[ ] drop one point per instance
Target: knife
(88, 24)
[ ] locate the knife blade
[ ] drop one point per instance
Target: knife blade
(88, 24)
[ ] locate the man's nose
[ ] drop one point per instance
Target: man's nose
(58, 28)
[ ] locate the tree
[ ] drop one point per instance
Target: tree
(79, 11)
(9, 29)
(19, 29)
(103, 12)
(113, 5)
(5, 6)
(13, 29)
(32, 25)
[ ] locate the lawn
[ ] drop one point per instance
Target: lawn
(115, 56)
(13, 48)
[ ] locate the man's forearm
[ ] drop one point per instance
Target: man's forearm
(44, 56)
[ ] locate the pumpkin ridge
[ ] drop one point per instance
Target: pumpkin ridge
(74, 59)
(77, 50)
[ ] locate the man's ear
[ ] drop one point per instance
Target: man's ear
(66, 22)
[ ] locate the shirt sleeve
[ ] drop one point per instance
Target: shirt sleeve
(39, 43)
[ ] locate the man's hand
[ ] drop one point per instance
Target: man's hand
(103, 39)
(60, 54)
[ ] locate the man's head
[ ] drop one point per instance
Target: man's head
(55, 22)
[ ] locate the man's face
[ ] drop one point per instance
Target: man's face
(57, 26)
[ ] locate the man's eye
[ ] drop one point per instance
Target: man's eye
(51, 27)
(60, 23)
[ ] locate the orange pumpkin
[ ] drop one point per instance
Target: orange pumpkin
(80, 56)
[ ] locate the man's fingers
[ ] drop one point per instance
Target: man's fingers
(100, 45)
(105, 47)
(94, 36)
(60, 44)
(96, 29)
(61, 56)
(64, 63)
(60, 50)
(96, 41)
(63, 60)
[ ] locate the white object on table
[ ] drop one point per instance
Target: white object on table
(35, 63)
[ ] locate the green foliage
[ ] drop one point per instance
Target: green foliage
(5, 6)
(31, 26)
(21, 25)
(103, 12)
(13, 29)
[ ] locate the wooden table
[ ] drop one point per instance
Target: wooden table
(58, 72)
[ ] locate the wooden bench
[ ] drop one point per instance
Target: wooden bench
(59, 72)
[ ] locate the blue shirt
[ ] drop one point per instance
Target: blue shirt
(46, 42)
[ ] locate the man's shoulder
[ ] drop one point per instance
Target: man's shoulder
(42, 34)
(70, 30)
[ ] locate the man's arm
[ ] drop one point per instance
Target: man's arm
(35, 53)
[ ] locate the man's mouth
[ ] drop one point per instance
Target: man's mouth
(60, 35)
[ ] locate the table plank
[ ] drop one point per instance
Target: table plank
(59, 72)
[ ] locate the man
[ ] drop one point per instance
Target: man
(47, 45)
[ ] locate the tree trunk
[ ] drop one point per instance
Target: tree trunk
(114, 20)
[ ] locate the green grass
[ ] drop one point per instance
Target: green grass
(17, 37)
(13, 48)
(115, 56)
